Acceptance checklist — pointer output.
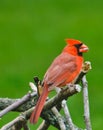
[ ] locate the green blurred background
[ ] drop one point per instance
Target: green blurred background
(32, 34)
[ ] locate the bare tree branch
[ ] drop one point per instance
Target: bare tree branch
(67, 115)
(44, 125)
(86, 104)
(16, 124)
(66, 111)
(59, 118)
(17, 103)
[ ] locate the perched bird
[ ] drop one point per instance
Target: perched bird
(63, 70)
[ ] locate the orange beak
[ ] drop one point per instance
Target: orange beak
(84, 48)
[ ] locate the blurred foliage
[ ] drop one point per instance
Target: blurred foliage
(32, 34)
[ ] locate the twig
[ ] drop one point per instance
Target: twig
(68, 116)
(33, 86)
(44, 125)
(86, 104)
(59, 118)
(17, 103)
(17, 123)
(66, 111)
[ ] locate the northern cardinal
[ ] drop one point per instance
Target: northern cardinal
(63, 70)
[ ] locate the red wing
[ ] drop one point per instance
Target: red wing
(60, 70)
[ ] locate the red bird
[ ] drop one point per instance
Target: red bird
(64, 69)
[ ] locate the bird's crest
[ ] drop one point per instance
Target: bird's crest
(72, 41)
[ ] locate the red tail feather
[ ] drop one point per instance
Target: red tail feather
(39, 106)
